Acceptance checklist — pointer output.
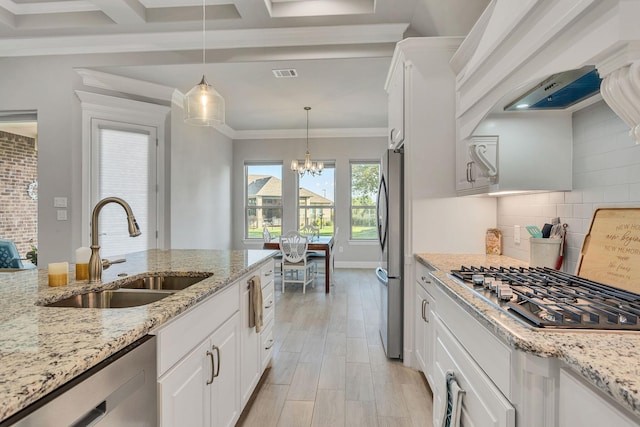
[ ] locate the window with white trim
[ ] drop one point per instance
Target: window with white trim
(316, 200)
(365, 176)
(263, 199)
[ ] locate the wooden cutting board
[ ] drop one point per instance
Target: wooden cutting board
(611, 249)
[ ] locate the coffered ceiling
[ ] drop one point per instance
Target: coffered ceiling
(340, 50)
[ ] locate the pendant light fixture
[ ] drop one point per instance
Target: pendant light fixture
(203, 106)
(310, 167)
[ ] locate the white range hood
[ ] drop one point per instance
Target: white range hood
(516, 44)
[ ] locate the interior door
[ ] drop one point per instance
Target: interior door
(124, 164)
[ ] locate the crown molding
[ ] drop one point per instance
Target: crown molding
(188, 40)
(113, 82)
(127, 85)
(315, 133)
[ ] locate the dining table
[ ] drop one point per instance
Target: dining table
(316, 243)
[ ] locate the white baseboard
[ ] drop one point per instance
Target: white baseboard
(357, 264)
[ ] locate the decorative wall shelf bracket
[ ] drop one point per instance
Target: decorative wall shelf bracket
(621, 91)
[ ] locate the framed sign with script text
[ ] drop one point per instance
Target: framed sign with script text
(611, 249)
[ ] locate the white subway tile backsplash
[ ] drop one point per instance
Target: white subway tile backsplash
(606, 173)
(556, 197)
(574, 196)
(549, 211)
(565, 211)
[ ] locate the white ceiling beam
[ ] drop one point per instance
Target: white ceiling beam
(189, 40)
(123, 11)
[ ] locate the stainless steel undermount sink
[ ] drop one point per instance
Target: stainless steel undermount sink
(134, 293)
(167, 283)
(116, 298)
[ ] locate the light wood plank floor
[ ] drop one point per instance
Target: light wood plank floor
(329, 368)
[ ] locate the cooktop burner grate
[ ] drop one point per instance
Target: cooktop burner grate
(548, 298)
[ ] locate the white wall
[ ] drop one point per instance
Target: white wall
(340, 150)
(200, 186)
(606, 173)
(453, 224)
(47, 84)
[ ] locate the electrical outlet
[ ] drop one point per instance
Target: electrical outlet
(516, 234)
(61, 214)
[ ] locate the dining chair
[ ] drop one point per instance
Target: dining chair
(310, 231)
(332, 254)
(266, 235)
(295, 261)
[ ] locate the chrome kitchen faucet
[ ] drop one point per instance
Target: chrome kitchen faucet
(95, 263)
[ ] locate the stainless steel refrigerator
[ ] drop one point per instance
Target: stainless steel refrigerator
(390, 235)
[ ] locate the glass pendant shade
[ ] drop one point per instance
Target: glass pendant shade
(203, 106)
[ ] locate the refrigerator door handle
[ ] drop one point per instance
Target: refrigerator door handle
(382, 220)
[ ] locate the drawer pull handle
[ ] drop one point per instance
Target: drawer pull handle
(268, 273)
(425, 279)
(212, 368)
(269, 344)
(270, 305)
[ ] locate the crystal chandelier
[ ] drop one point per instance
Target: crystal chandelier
(203, 105)
(310, 167)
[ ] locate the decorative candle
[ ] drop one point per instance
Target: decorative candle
(58, 273)
(82, 263)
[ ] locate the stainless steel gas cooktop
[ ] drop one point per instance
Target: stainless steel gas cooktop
(547, 298)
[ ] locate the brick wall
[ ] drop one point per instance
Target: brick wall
(606, 173)
(18, 211)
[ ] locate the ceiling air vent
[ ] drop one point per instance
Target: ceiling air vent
(288, 72)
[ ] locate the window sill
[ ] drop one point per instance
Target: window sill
(363, 242)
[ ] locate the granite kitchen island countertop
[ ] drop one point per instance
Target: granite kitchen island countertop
(608, 360)
(42, 348)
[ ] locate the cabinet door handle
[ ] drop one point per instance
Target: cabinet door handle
(269, 344)
(391, 138)
(217, 350)
(423, 301)
(426, 311)
(270, 305)
(210, 380)
(470, 177)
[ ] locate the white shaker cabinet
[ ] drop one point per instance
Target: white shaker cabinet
(517, 152)
(210, 361)
(476, 163)
(396, 96)
(425, 307)
(254, 361)
(225, 382)
(184, 394)
(421, 99)
(580, 404)
(201, 385)
(202, 389)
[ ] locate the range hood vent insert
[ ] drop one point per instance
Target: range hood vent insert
(559, 91)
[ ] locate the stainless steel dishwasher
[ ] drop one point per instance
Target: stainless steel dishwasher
(120, 391)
